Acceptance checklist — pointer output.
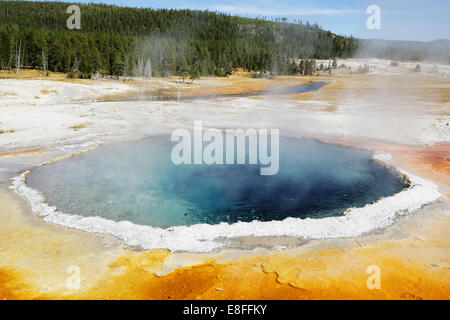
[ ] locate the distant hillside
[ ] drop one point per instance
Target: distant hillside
(129, 41)
(437, 51)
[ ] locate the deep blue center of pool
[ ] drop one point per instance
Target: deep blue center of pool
(136, 181)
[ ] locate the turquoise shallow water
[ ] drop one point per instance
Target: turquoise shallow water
(136, 181)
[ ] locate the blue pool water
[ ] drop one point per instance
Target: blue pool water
(136, 181)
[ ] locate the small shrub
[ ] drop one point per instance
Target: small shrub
(80, 126)
(365, 69)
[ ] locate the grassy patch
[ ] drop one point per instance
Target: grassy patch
(7, 131)
(331, 109)
(80, 126)
(30, 74)
(45, 91)
(9, 93)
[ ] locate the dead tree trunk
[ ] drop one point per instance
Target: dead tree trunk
(18, 53)
(11, 54)
(44, 59)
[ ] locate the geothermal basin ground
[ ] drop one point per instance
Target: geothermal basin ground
(399, 116)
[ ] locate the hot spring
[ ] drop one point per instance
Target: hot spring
(138, 182)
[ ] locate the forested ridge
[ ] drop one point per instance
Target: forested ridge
(146, 42)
